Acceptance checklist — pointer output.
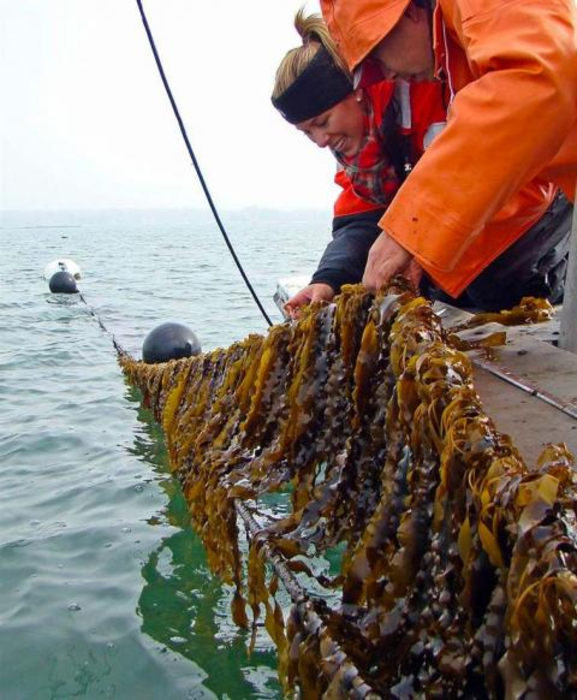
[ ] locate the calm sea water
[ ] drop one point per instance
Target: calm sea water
(105, 590)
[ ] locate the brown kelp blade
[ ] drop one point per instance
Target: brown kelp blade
(458, 562)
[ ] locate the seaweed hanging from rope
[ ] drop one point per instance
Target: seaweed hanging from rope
(459, 563)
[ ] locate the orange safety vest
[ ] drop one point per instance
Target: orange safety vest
(511, 137)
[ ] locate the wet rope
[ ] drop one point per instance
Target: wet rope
(293, 587)
(92, 311)
(195, 162)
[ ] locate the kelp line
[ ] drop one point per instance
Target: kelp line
(458, 576)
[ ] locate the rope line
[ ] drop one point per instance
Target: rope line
(195, 162)
(92, 311)
(293, 587)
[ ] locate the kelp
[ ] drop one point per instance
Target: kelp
(459, 560)
(529, 310)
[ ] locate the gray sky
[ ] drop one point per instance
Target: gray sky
(85, 122)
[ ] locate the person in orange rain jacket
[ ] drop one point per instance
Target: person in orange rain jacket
(486, 193)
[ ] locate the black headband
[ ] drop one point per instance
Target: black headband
(318, 88)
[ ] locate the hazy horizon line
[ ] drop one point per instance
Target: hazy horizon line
(192, 209)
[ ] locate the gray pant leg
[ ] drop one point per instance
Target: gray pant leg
(535, 265)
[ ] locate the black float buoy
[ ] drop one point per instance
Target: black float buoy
(169, 341)
(63, 282)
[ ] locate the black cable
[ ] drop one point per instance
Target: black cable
(195, 162)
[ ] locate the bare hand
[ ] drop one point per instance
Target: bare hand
(314, 292)
(386, 259)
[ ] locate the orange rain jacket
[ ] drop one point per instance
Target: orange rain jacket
(511, 138)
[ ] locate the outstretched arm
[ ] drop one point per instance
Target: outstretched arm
(343, 261)
(345, 257)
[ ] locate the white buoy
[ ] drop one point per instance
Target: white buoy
(62, 265)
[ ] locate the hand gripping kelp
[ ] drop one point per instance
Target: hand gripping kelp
(459, 565)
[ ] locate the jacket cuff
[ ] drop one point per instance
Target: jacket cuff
(335, 278)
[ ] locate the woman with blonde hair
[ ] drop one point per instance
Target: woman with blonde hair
(375, 134)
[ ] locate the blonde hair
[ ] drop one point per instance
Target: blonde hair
(314, 33)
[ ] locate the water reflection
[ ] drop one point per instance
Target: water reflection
(183, 605)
